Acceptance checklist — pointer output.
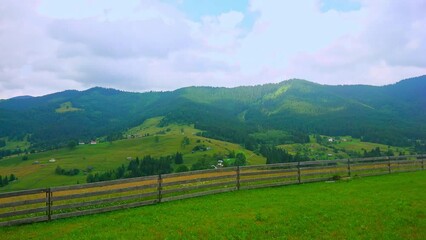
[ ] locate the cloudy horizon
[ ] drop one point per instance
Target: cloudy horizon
(142, 45)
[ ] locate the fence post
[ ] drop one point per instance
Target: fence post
(389, 165)
(160, 187)
(298, 172)
(238, 177)
(49, 204)
(349, 167)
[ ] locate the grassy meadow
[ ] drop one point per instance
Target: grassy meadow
(106, 156)
(341, 147)
(381, 207)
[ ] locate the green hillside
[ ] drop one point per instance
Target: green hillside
(146, 139)
(380, 207)
(340, 147)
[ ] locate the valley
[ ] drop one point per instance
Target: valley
(99, 130)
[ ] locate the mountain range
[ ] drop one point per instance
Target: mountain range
(276, 113)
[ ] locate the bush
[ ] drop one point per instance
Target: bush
(182, 168)
(336, 177)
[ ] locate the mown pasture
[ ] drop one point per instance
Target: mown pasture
(381, 207)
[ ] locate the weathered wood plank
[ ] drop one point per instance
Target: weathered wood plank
(24, 220)
(315, 180)
(322, 162)
(20, 203)
(103, 184)
(369, 169)
(322, 173)
(97, 193)
(266, 178)
(269, 185)
(175, 190)
(263, 172)
(102, 210)
(101, 201)
(198, 180)
(370, 163)
(24, 192)
(324, 167)
(198, 172)
(405, 170)
(419, 161)
(198, 194)
(22, 212)
(372, 174)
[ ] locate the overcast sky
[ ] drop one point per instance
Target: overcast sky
(141, 45)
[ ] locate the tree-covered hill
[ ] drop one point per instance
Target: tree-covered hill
(392, 114)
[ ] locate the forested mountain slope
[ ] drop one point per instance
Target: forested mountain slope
(393, 114)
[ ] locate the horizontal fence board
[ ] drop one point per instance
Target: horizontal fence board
(194, 180)
(168, 191)
(325, 167)
(263, 172)
(103, 184)
(22, 212)
(290, 164)
(406, 170)
(198, 194)
(24, 192)
(314, 180)
(101, 210)
(101, 201)
(91, 194)
(372, 174)
(268, 185)
(406, 161)
(375, 159)
(319, 162)
(24, 202)
(369, 169)
(198, 172)
(266, 178)
(370, 164)
(24, 220)
(345, 171)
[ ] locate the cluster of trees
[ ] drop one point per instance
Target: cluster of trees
(8, 152)
(2, 143)
(67, 172)
(138, 168)
(275, 155)
(6, 180)
(420, 147)
(376, 152)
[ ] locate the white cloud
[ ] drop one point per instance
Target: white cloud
(140, 45)
(385, 50)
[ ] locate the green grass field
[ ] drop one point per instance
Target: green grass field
(107, 156)
(338, 149)
(381, 207)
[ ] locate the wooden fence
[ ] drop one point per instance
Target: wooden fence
(46, 204)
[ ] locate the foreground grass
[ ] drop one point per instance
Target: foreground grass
(382, 207)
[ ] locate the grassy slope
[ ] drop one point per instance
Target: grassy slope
(108, 156)
(318, 151)
(382, 207)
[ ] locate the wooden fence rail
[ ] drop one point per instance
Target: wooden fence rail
(45, 204)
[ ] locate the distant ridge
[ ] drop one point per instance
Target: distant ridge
(393, 114)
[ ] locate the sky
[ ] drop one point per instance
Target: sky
(48, 46)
